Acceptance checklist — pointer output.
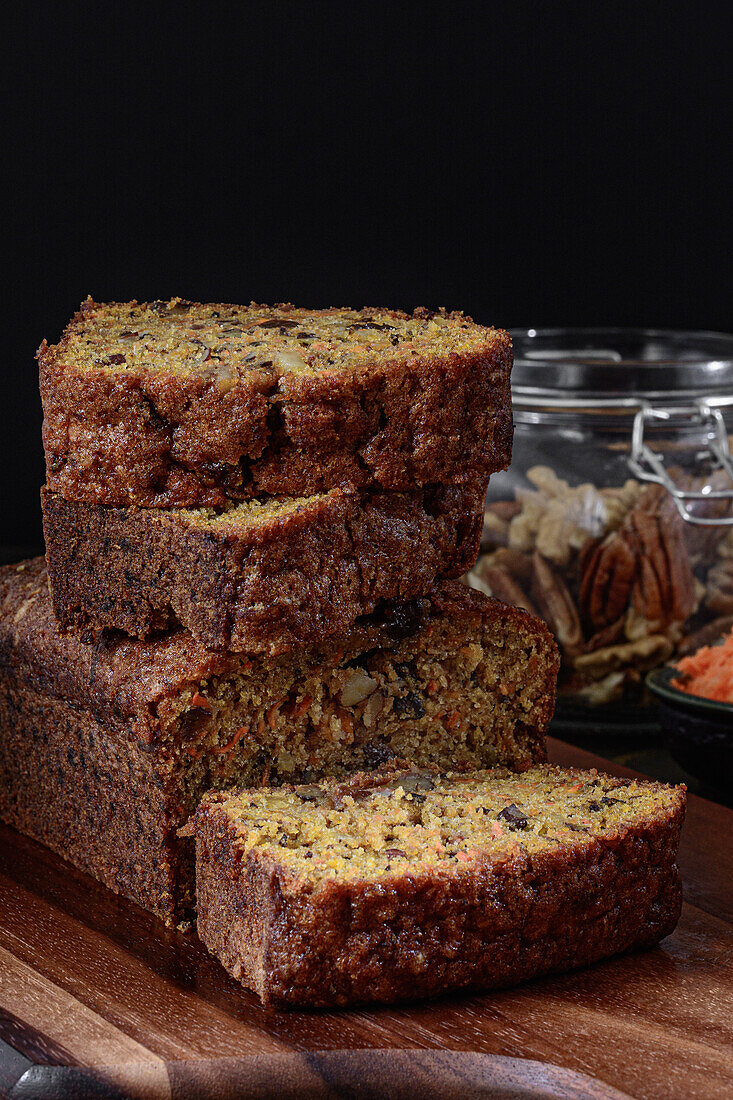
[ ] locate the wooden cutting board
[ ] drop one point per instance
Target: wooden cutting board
(98, 999)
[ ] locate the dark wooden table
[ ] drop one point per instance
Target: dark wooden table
(98, 999)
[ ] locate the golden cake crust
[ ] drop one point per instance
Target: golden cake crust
(171, 411)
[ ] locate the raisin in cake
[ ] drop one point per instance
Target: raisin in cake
(171, 404)
(408, 883)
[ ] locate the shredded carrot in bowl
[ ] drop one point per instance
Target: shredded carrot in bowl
(708, 672)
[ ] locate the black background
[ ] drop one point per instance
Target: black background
(546, 163)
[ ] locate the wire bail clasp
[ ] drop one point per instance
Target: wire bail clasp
(647, 465)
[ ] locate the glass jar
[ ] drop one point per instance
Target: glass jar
(615, 520)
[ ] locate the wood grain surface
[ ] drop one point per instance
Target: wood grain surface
(98, 999)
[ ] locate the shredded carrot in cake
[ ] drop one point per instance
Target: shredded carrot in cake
(708, 672)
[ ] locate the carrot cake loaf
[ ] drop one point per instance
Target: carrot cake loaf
(106, 747)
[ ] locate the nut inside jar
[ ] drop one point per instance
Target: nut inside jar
(621, 579)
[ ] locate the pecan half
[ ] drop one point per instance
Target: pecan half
(505, 588)
(606, 581)
(664, 591)
(556, 605)
(643, 654)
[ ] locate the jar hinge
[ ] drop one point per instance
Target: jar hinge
(648, 466)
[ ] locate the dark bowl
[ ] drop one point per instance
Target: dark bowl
(699, 730)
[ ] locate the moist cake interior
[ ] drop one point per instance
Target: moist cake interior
(446, 695)
(420, 821)
(182, 337)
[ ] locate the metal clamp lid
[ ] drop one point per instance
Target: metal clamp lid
(648, 466)
(653, 375)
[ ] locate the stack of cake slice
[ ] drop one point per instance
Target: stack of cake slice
(254, 519)
(264, 476)
(252, 516)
